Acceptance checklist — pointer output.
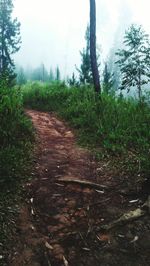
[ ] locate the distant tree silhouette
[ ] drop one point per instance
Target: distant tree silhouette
(51, 75)
(108, 80)
(58, 77)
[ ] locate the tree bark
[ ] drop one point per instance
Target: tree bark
(94, 65)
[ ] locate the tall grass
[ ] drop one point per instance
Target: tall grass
(16, 135)
(113, 125)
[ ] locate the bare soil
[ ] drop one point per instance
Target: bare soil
(60, 224)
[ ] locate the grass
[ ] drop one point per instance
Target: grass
(16, 137)
(113, 126)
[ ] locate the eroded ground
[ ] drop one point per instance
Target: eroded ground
(59, 224)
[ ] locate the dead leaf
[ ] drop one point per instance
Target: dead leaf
(31, 200)
(32, 211)
(135, 239)
(100, 191)
(86, 249)
(48, 246)
(134, 201)
(121, 236)
(32, 227)
(65, 261)
(103, 238)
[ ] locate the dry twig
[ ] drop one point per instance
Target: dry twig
(82, 183)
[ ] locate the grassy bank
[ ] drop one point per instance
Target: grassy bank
(16, 135)
(114, 127)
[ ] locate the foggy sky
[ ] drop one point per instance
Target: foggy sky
(53, 30)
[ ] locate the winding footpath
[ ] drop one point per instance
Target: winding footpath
(58, 222)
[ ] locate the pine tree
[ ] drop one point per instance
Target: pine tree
(9, 41)
(58, 77)
(73, 81)
(108, 81)
(85, 70)
(51, 75)
(124, 13)
(134, 60)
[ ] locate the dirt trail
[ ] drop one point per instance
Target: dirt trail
(57, 224)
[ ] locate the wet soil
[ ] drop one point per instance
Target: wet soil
(60, 224)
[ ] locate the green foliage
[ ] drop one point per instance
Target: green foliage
(134, 60)
(113, 125)
(9, 40)
(73, 81)
(16, 134)
(45, 96)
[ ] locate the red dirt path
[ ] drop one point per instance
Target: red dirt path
(57, 225)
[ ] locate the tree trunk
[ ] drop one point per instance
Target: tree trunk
(94, 65)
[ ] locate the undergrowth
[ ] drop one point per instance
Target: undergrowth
(112, 126)
(16, 135)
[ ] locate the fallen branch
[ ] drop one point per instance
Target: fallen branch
(127, 217)
(82, 183)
